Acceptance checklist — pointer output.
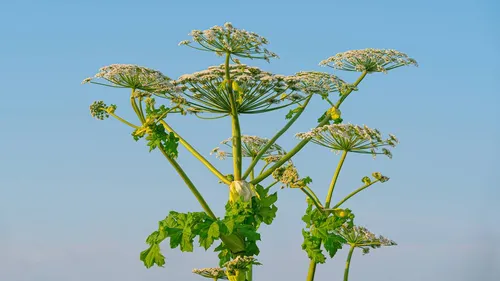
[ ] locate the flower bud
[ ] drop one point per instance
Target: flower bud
(334, 113)
(241, 189)
(377, 175)
(366, 180)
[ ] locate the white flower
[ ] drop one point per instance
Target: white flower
(132, 76)
(369, 60)
(212, 273)
(352, 138)
(250, 147)
(227, 39)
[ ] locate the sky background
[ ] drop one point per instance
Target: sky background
(78, 196)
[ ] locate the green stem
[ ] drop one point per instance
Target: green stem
(287, 156)
(275, 138)
(123, 120)
(312, 271)
(236, 132)
(334, 179)
(252, 173)
(197, 154)
(189, 183)
(272, 184)
(136, 108)
(344, 96)
(250, 273)
(352, 194)
(315, 201)
(348, 263)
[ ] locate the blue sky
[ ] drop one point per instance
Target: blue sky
(78, 196)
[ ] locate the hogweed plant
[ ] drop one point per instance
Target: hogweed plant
(228, 91)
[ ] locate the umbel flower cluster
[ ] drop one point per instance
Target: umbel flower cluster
(351, 138)
(250, 147)
(233, 89)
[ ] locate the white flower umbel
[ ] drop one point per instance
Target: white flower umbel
(250, 147)
(369, 60)
(230, 40)
(133, 77)
(360, 237)
(314, 82)
(214, 273)
(255, 90)
(351, 138)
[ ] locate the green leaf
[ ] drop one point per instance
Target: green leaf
(152, 256)
(213, 231)
(230, 225)
(311, 245)
(332, 244)
(187, 240)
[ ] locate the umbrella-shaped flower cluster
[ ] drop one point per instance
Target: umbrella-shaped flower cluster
(350, 138)
(369, 60)
(250, 146)
(133, 77)
(230, 40)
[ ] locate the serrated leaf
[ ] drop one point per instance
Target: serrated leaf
(332, 244)
(152, 256)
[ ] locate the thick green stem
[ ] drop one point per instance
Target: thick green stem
(334, 179)
(352, 194)
(236, 132)
(250, 273)
(348, 263)
(287, 156)
(233, 242)
(196, 154)
(275, 138)
(312, 271)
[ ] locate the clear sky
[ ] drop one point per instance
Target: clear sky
(78, 196)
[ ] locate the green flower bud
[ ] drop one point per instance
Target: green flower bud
(241, 189)
(334, 113)
(366, 180)
(377, 175)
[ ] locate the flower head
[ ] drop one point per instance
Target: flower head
(352, 138)
(240, 263)
(255, 90)
(313, 82)
(133, 77)
(229, 40)
(250, 146)
(212, 273)
(369, 60)
(241, 190)
(289, 176)
(361, 237)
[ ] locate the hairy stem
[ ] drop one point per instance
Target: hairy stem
(275, 138)
(196, 154)
(348, 263)
(236, 132)
(334, 179)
